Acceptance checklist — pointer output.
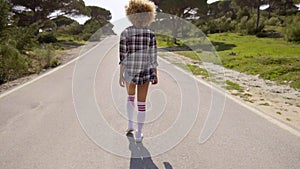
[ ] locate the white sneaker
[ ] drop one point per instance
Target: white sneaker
(138, 137)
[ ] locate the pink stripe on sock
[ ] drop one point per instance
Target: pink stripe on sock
(142, 107)
(131, 98)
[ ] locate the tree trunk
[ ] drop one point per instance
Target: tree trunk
(174, 30)
(258, 14)
(269, 10)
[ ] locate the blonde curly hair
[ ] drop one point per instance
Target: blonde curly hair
(140, 13)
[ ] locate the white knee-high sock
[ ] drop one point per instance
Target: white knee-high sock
(141, 116)
(130, 110)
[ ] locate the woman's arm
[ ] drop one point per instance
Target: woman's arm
(121, 79)
(153, 51)
(123, 54)
(153, 57)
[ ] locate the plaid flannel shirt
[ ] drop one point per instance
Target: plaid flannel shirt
(138, 53)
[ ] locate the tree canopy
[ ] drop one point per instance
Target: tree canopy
(28, 12)
(99, 13)
(182, 8)
(4, 13)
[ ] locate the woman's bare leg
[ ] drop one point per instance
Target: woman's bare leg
(130, 88)
(142, 92)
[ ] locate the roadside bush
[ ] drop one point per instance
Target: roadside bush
(4, 13)
(212, 26)
(12, 64)
(85, 36)
(292, 31)
(54, 62)
(72, 29)
(47, 37)
(225, 24)
(273, 21)
(42, 57)
(245, 12)
(248, 26)
(49, 25)
(22, 38)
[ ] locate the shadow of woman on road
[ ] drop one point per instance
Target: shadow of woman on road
(141, 157)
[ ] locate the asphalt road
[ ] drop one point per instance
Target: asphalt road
(54, 123)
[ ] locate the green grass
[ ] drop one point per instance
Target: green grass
(198, 71)
(190, 54)
(166, 41)
(272, 58)
(71, 40)
(233, 86)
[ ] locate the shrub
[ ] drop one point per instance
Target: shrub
(54, 62)
(225, 24)
(274, 21)
(47, 37)
(248, 26)
(292, 31)
(72, 29)
(43, 57)
(22, 38)
(49, 25)
(12, 65)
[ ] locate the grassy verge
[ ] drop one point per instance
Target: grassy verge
(196, 70)
(71, 40)
(271, 58)
(233, 86)
(190, 54)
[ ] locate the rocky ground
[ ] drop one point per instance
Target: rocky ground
(279, 101)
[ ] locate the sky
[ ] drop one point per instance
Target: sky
(116, 7)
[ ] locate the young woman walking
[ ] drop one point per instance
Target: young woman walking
(138, 60)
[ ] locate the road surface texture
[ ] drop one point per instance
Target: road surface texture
(40, 129)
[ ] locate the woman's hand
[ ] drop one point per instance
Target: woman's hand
(155, 81)
(122, 81)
